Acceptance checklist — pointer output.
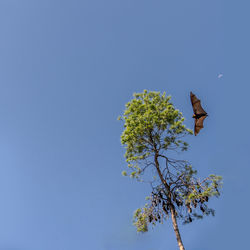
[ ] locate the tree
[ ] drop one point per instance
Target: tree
(152, 129)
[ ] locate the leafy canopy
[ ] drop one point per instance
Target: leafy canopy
(150, 114)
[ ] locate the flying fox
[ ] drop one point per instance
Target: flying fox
(199, 113)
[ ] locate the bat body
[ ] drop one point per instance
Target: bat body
(199, 113)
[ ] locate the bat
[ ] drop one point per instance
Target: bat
(199, 113)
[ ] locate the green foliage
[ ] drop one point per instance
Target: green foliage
(141, 220)
(124, 173)
(148, 215)
(189, 199)
(149, 117)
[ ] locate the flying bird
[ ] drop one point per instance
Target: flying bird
(199, 113)
(220, 75)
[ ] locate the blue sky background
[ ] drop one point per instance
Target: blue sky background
(67, 68)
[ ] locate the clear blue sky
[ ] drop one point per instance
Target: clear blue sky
(67, 68)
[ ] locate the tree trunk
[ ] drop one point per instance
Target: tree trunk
(176, 229)
(172, 209)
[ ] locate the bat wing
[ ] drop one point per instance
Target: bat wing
(198, 124)
(196, 103)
